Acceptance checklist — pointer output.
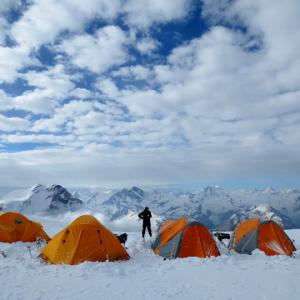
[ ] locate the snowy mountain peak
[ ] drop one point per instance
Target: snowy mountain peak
(138, 191)
(126, 201)
(61, 198)
(41, 199)
(263, 208)
(209, 190)
(292, 191)
(213, 191)
(269, 190)
(37, 188)
(133, 195)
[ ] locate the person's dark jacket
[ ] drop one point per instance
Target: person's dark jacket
(145, 215)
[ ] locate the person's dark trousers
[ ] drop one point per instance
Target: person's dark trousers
(148, 227)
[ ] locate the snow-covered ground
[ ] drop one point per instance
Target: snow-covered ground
(147, 276)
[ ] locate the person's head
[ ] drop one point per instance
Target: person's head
(146, 208)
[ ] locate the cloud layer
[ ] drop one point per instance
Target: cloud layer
(90, 93)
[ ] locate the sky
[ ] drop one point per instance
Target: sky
(125, 92)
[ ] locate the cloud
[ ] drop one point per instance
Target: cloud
(136, 72)
(44, 20)
(13, 60)
(5, 102)
(42, 23)
(147, 45)
(36, 138)
(98, 53)
(108, 166)
(275, 24)
(224, 101)
(145, 13)
(5, 7)
(81, 93)
(13, 124)
(50, 87)
(65, 117)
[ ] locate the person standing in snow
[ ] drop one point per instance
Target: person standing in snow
(146, 215)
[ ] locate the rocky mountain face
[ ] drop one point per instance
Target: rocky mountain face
(60, 199)
(125, 201)
(40, 198)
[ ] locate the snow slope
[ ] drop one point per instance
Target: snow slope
(147, 276)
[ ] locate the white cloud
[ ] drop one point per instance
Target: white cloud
(138, 72)
(46, 19)
(42, 23)
(77, 116)
(277, 25)
(5, 7)
(38, 101)
(12, 60)
(147, 45)
(98, 53)
(216, 71)
(289, 134)
(37, 138)
(5, 102)
(54, 78)
(81, 93)
(62, 115)
(223, 102)
(3, 29)
(13, 124)
(145, 13)
(109, 166)
(50, 88)
(108, 87)
(139, 102)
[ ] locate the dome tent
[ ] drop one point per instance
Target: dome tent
(184, 238)
(266, 236)
(85, 239)
(14, 227)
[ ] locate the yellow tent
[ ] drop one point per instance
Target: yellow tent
(15, 227)
(85, 239)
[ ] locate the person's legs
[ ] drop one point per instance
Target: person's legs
(149, 229)
(143, 230)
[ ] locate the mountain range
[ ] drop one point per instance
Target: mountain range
(215, 207)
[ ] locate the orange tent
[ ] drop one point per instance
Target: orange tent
(85, 239)
(15, 227)
(184, 238)
(267, 236)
